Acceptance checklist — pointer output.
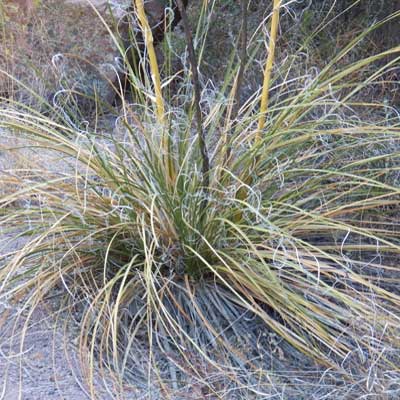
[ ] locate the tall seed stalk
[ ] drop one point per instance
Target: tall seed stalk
(159, 100)
(268, 69)
(242, 193)
(154, 70)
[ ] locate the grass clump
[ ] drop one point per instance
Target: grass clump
(175, 284)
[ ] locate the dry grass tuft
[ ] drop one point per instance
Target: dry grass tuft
(285, 260)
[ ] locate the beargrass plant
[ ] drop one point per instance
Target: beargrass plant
(178, 273)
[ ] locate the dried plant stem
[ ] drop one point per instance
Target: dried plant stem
(196, 86)
(155, 73)
(242, 193)
(268, 69)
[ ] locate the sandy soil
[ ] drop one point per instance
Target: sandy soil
(43, 366)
